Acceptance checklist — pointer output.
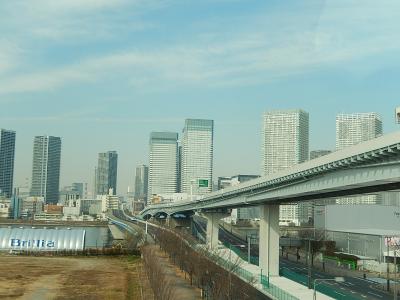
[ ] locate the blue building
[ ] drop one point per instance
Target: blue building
(16, 203)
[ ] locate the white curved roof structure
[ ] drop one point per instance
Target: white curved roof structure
(30, 239)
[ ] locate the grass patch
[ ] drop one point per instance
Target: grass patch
(133, 258)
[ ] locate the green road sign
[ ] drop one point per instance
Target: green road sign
(203, 182)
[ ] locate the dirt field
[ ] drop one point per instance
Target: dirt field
(72, 278)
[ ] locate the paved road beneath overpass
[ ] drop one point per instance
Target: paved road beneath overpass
(353, 286)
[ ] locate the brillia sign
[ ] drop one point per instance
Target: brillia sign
(32, 243)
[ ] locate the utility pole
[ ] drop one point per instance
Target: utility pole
(248, 248)
(309, 264)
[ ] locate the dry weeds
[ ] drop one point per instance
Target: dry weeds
(72, 278)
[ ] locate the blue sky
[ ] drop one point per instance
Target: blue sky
(104, 74)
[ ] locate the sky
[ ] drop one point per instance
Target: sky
(103, 74)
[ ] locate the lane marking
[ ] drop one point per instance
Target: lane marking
(367, 280)
(376, 295)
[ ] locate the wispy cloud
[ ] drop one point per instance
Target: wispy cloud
(73, 20)
(257, 53)
(9, 55)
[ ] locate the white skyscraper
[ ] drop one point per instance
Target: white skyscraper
(197, 156)
(352, 129)
(285, 143)
(163, 163)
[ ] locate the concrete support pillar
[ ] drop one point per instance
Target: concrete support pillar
(213, 228)
(269, 239)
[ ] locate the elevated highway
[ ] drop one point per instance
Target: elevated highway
(368, 167)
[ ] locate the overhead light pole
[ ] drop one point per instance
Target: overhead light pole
(320, 280)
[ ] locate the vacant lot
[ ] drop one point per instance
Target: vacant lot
(86, 278)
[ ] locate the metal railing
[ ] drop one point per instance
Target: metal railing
(278, 293)
(267, 286)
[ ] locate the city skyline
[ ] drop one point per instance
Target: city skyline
(105, 81)
(238, 149)
(130, 178)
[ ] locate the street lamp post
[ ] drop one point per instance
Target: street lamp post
(336, 279)
(309, 257)
(249, 237)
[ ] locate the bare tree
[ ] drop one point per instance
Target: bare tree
(162, 287)
(216, 277)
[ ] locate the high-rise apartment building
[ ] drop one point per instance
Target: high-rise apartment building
(163, 163)
(319, 153)
(352, 129)
(106, 173)
(7, 154)
(197, 156)
(141, 182)
(46, 168)
(285, 139)
(285, 143)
